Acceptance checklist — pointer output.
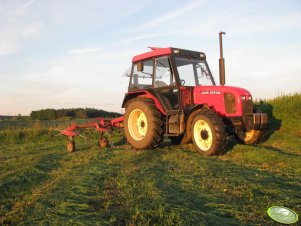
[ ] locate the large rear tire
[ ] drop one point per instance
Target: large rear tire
(208, 133)
(250, 137)
(143, 124)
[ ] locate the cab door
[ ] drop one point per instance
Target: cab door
(165, 86)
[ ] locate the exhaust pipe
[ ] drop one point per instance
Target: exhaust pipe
(221, 61)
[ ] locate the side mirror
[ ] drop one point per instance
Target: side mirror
(140, 66)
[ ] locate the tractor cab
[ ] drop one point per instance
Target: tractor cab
(169, 74)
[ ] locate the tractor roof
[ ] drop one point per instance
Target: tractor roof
(156, 52)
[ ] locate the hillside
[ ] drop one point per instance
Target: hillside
(284, 112)
(40, 183)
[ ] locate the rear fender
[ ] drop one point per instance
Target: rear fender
(142, 94)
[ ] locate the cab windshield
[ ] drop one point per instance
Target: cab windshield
(193, 71)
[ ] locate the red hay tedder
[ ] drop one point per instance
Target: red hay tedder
(99, 124)
(172, 93)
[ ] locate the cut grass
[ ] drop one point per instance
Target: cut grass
(40, 183)
(169, 186)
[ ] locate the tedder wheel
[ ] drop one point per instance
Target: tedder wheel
(250, 137)
(208, 133)
(143, 124)
(71, 146)
(103, 142)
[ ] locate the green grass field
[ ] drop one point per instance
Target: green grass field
(40, 183)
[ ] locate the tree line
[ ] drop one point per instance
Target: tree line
(81, 113)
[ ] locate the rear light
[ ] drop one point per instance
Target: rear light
(230, 103)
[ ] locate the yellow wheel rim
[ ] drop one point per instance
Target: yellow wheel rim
(202, 135)
(137, 124)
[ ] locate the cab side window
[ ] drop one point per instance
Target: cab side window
(163, 74)
(142, 76)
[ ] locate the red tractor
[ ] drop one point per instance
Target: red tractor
(173, 93)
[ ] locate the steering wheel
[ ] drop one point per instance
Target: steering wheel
(182, 81)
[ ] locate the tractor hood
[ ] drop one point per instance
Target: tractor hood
(226, 100)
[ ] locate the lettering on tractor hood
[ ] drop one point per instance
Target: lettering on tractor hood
(220, 90)
(212, 92)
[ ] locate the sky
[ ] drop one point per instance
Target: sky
(73, 53)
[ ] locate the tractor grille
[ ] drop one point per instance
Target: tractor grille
(230, 103)
(247, 107)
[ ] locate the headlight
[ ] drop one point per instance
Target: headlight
(247, 104)
(246, 97)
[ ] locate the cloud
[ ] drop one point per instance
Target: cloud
(146, 36)
(27, 4)
(8, 47)
(85, 50)
(16, 27)
(189, 7)
(171, 15)
(12, 37)
(240, 20)
(73, 80)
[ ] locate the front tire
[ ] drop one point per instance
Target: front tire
(208, 133)
(143, 124)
